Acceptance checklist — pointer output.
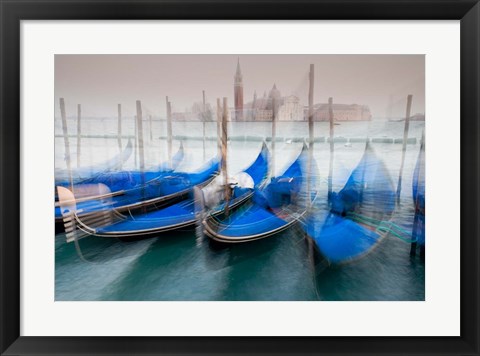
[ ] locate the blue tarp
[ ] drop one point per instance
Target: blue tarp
(125, 180)
(78, 174)
(184, 212)
(258, 217)
(368, 193)
(341, 239)
(175, 214)
(252, 220)
(167, 184)
(369, 186)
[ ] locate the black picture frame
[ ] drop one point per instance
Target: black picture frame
(13, 11)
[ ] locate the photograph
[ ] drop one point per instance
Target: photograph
(239, 177)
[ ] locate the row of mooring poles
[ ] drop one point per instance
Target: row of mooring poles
(67, 139)
(139, 140)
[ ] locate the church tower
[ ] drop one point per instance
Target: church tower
(238, 93)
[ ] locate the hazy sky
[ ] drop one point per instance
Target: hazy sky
(100, 82)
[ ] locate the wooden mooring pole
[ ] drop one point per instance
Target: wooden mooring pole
(119, 131)
(310, 107)
(151, 127)
(332, 147)
(311, 140)
(274, 135)
(66, 141)
(416, 219)
(404, 148)
(169, 131)
(204, 118)
(79, 133)
(140, 141)
(219, 127)
(311, 133)
(224, 154)
(136, 141)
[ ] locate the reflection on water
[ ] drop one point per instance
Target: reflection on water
(174, 266)
(278, 268)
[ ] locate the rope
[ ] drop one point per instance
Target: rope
(381, 226)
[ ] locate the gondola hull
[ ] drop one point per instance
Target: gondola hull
(273, 209)
(179, 215)
(125, 188)
(350, 229)
(228, 236)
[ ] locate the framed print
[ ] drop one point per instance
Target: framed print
(239, 178)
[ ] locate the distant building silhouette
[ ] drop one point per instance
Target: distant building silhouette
(288, 108)
(261, 109)
(341, 112)
(195, 113)
(291, 109)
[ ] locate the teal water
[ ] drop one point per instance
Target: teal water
(178, 266)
